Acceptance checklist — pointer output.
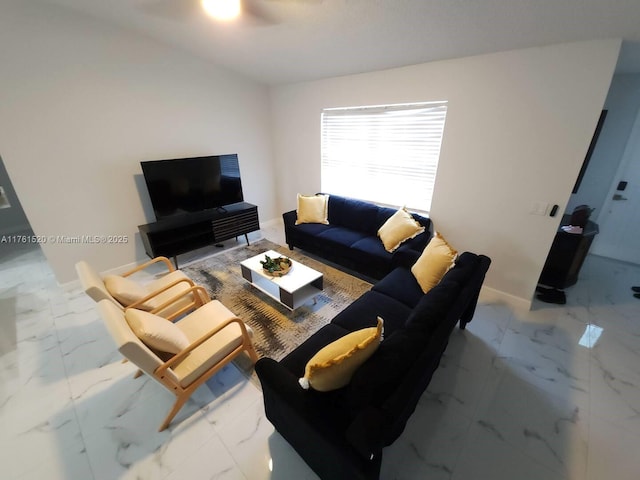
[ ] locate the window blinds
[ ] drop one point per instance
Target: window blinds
(387, 154)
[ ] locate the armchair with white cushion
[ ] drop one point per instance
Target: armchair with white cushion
(183, 355)
(124, 291)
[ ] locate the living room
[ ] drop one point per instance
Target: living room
(85, 101)
(100, 99)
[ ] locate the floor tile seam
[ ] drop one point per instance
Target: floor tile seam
(227, 421)
(229, 448)
(202, 446)
(71, 397)
(618, 425)
(477, 418)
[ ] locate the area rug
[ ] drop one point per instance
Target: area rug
(277, 330)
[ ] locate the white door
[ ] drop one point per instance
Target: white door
(619, 220)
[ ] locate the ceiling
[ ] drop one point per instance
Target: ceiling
(286, 41)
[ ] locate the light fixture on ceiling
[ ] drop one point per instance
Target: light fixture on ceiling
(222, 9)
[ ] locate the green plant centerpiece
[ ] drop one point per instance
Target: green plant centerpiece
(276, 267)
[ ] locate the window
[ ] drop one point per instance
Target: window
(387, 154)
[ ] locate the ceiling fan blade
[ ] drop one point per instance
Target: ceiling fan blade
(257, 12)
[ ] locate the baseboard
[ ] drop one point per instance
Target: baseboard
(274, 222)
(491, 295)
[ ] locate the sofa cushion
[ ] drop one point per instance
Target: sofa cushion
(398, 228)
(370, 250)
(354, 214)
(364, 311)
(433, 307)
(381, 374)
(401, 285)
(312, 209)
(312, 229)
(341, 236)
(436, 259)
(333, 365)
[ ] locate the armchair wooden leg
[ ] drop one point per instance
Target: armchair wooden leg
(180, 401)
(139, 373)
(252, 353)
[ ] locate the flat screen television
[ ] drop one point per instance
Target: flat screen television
(188, 185)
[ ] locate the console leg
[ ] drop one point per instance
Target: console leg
(247, 238)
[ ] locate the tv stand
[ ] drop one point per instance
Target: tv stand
(173, 236)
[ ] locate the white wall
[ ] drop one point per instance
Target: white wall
(622, 103)
(518, 126)
(82, 103)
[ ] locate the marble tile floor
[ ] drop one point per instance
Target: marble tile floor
(551, 393)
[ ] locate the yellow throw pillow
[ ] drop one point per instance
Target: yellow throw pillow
(436, 259)
(398, 228)
(313, 209)
(156, 332)
(334, 365)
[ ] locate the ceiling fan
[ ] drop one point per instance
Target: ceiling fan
(254, 11)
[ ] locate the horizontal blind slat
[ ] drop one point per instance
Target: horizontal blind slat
(392, 151)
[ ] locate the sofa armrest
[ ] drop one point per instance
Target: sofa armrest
(290, 217)
(297, 415)
(279, 379)
(365, 433)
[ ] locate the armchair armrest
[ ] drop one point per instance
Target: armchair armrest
(200, 297)
(164, 260)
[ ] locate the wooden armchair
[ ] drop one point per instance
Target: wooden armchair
(125, 292)
(180, 356)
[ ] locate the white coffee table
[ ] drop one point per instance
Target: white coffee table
(292, 290)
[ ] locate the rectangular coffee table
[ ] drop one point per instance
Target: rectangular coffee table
(292, 290)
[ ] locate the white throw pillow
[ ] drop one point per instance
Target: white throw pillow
(124, 290)
(156, 332)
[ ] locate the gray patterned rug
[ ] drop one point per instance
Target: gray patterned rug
(277, 330)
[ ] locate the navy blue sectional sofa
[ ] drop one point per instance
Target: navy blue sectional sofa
(341, 434)
(350, 239)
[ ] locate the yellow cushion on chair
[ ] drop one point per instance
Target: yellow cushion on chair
(334, 365)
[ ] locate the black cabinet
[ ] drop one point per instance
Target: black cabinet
(180, 234)
(567, 255)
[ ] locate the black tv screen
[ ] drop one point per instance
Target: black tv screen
(187, 185)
